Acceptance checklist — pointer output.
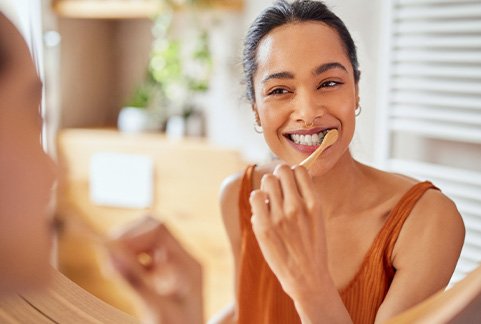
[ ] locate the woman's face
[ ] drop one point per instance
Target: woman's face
(26, 172)
(304, 76)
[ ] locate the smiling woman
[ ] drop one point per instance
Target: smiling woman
(307, 245)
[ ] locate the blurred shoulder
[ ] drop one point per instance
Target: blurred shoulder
(230, 187)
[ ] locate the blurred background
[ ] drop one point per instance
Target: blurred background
(145, 113)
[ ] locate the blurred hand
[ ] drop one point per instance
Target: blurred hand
(289, 228)
(165, 276)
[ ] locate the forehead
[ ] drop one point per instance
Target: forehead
(309, 43)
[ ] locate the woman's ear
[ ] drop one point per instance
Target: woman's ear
(256, 115)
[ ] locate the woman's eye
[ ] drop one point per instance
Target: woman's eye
(278, 91)
(329, 84)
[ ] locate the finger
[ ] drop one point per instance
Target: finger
(260, 209)
(311, 203)
(292, 199)
(271, 244)
(271, 186)
(140, 236)
(265, 230)
(166, 272)
(305, 186)
(296, 226)
(125, 262)
(174, 250)
(148, 284)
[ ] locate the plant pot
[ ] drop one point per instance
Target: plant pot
(136, 120)
(175, 127)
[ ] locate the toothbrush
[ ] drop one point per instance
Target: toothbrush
(329, 139)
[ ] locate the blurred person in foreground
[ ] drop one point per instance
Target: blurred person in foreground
(27, 175)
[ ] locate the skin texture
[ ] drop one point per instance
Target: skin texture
(27, 175)
(333, 212)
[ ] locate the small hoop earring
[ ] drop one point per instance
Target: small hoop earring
(258, 128)
(357, 111)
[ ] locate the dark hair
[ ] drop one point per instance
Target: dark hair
(3, 58)
(281, 13)
(4, 55)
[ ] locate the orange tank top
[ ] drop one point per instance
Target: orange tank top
(260, 296)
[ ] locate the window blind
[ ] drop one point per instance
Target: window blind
(430, 124)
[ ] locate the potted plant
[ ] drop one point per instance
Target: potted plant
(176, 73)
(139, 114)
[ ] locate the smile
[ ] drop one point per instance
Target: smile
(308, 139)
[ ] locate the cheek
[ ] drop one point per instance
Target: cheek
(26, 178)
(274, 114)
(25, 239)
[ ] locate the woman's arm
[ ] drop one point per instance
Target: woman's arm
(425, 253)
(229, 200)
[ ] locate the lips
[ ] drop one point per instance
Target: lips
(307, 141)
(310, 137)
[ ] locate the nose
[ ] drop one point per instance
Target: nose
(307, 107)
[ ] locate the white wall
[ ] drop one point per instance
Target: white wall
(230, 121)
(229, 115)
(363, 19)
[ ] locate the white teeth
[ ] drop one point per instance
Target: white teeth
(309, 140)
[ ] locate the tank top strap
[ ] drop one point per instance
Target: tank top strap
(399, 214)
(244, 193)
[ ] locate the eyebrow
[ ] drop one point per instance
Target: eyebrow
(328, 66)
(278, 75)
(318, 70)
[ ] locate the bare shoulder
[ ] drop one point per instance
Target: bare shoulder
(229, 195)
(230, 188)
(434, 225)
(229, 204)
(426, 251)
(434, 214)
(438, 213)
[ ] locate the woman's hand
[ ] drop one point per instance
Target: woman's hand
(166, 277)
(289, 228)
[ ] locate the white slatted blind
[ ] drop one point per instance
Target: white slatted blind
(431, 108)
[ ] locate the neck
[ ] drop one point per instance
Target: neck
(339, 187)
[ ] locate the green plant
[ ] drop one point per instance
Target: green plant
(175, 72)
(142, 96)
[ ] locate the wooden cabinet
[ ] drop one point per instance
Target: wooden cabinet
(107, 9)
(125, 9)
(188, 175)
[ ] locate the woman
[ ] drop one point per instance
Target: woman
(27, 176)
(341, 242)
